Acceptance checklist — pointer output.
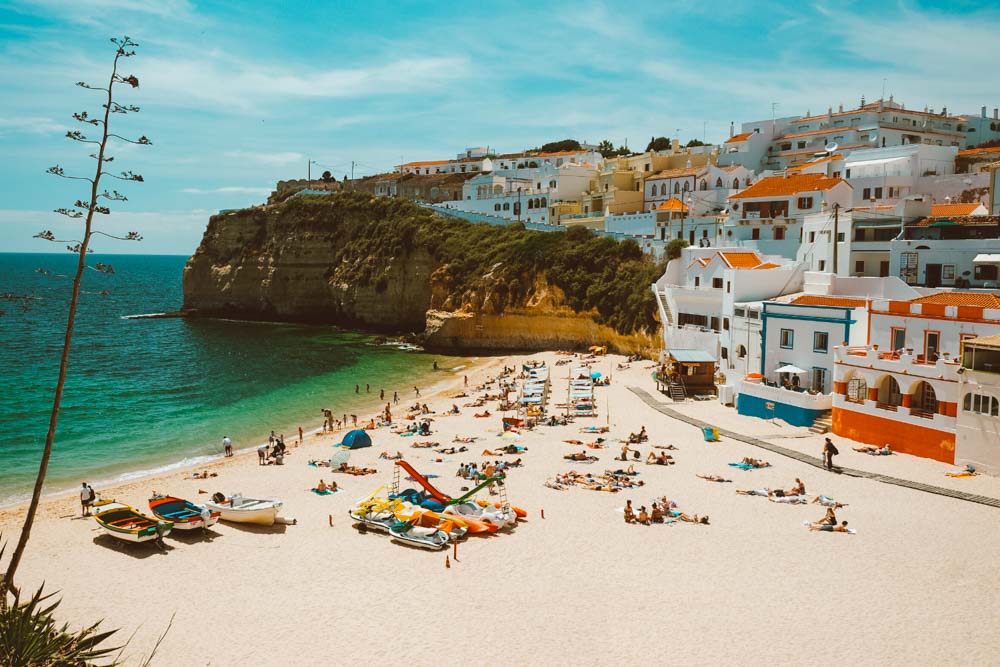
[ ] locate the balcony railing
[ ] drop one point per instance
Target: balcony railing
(923, 414)
(886, 406)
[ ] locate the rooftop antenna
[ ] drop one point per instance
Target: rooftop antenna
(883, 88)
(773, 107)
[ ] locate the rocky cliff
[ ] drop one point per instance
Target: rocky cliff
(389, 266)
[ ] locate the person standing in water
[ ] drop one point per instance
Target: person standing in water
(86, 499)
(227, 445)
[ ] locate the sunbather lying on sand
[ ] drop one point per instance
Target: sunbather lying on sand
(466, 440)
(630, 471)
(596, 445)
(793, 500)
(394, 457)
(481, 415)
(580, 456)
(661, 460)
(828, 502)
(874, 451)
(691, 519)
(203, 475)
(451, 450)
(573, 442)
(425, 445)
(830, 528)
(715, 478)
(351, 470)
(664, 447)
(754, 492)
(755, 463)
(316, 462)
(595, 429)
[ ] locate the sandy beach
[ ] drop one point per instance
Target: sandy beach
(917, 584)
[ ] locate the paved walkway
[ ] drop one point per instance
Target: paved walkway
(812, 460)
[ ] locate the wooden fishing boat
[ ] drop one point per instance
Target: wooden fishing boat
(128, 524)
(185, 515)
(238, 509)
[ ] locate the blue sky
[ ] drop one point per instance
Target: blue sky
(238, 95)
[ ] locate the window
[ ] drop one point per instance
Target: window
(840, 237)
(718, 182)
(697, 281)
(740, 312)
(753, 314)
(822, 265)
(857, 390)
(985, 272)
(812, 237)
(677, 188)
(821, 341)
(897, 339)
(787, 338)
(663, 189)
(981, 404)
(727, 286)
(717, 283)
(819, 380)
(686, 186)
(866, 193)
(932, 345)
(715, 324)
(704, 184)
(878, 193)
(948, 272)
(725, 324)
(736, 184)
(805, 202)
(755, 233)
(859, 266)
(779, 233)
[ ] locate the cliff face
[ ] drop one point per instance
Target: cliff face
(386, 266)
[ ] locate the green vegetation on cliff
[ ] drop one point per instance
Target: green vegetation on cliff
(481, 267)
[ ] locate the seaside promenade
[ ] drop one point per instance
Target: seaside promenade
(915, 585)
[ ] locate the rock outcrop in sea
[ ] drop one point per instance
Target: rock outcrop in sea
(390, 266)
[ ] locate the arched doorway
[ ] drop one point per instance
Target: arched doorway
(857, 390)
(924, 399)
(888, 391)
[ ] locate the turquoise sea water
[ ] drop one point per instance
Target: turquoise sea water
(145, 394)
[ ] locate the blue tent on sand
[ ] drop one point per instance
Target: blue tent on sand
(356, 439)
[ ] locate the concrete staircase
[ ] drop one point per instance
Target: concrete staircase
(823, 424)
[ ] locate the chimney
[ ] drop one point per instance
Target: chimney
(732, 125)
(808, 113)
(829, 111)
(944, 111)
(995, 117)
(982, 112)
(676, 144)
(862, 100)
(840, 109)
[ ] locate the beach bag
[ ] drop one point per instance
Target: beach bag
(833, 449)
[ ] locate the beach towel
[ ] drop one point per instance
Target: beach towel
(742, 466)
(328, 492)
(961, 474)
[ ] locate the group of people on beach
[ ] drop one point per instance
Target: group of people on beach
(661, 511)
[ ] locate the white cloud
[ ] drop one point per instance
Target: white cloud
(233, 189)
(274, 159)
(84, 11)
(27, 124)
(225, 83)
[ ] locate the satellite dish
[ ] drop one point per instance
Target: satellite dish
(831, 148)
(874, 139)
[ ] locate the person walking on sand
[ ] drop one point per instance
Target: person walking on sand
(466, 377)
(227, 445)
(395, 398)
(829, 451)
(416, 391)
(86, 499)
(381, 394)
(262, 455)
(300, 435)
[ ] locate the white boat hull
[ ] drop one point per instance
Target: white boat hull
(247, 510)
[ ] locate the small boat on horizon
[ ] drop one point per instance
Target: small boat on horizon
(184, 514)
(128, 524)
(237, 509)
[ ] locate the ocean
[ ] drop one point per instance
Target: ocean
(146, 395)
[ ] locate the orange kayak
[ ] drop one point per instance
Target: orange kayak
(517, 510)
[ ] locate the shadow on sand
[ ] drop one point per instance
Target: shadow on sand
(138, 550)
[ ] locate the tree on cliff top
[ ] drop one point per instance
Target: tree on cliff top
(557, 146)
(82, 210)
(658, 144)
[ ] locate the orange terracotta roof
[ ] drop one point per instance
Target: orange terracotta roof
(978, 299)
(813, 163)
(675, 173)
(944, 210)
(783, 186)
(426, 163)
(738, 137)
(977, 151)
(767, 265)
(672, 204)
(824, 300)
(959, 220)
(700, 261)
(740, 260)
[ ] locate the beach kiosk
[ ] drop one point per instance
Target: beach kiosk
(690, 373)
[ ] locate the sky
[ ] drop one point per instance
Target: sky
(238, 95)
